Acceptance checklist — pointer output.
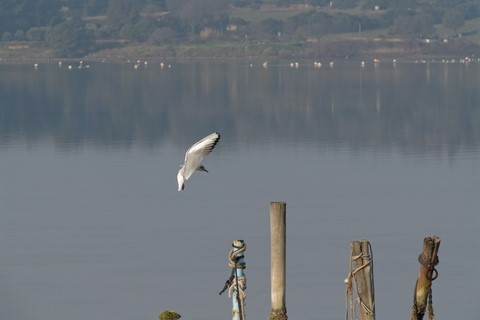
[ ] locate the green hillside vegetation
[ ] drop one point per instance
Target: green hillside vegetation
(237, 28)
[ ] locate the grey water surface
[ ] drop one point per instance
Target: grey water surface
(92, 225)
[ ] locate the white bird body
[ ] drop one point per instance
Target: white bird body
(194, 156)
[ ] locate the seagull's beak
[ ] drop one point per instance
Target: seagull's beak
(201, 168)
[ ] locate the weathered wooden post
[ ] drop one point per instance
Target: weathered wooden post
(277, 259)
(237, 283)
(428, 259)
(361, 270)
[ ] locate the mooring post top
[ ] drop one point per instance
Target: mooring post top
(238, 243)
(236, 253)
(432, 241)
(278, 208)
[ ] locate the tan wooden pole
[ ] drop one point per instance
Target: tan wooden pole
(277, 259)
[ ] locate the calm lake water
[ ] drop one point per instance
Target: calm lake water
(92, 225)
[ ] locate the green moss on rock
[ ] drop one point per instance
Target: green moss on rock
(169, 315)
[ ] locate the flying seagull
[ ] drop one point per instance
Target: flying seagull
(194, 157)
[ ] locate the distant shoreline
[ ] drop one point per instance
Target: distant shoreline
(321, 49)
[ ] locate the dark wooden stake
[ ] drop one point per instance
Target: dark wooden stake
(428, 259)
(277, 259)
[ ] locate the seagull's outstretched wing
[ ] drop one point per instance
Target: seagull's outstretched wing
(194, 157)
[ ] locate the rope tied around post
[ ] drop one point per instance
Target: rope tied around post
(234, 263)
(237, 282)
(234, 255)
(361, 270)
(432, 272)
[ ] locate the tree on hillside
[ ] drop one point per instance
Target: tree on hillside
(69, 39)
(198, 13)
(413, 25)
(139, 31)
(122, 12)
(25, 14)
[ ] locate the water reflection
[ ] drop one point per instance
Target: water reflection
(414, 108)
(106, 235)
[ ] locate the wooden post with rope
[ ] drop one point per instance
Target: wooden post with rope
(277, 259)
(237, 283)
(428, 259)
(361, 270)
